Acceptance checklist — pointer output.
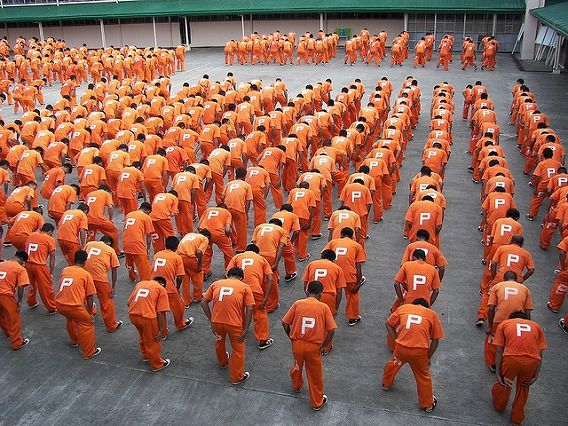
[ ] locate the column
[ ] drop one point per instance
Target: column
(531, 27)
(103, 39)
(40, 25)
(155, 35)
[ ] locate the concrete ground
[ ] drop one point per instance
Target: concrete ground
(48, 382)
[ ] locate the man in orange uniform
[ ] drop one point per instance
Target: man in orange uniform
(186, 184)
(137, 234)
(427, 215)
(273, 159)
(21, 226)
(310, 326)
(155, 170)
(350, 256)
(100, 201)
(520, 343)
(416, 329)
(131, 180)
(21, 198)
(237, 195)
(258, 276)
(147, 307)
(271, 239)
(359, 199)
(219, 163)
(164, 209)
(230, 314)
(40, 246)
(75, 302)
(72, 231)
(191, 248)
(218, 221)
(91, 177)
(259, 180)
(545, 170)
(303, 202)
(101, 259)
(169, 265)
(63, 197)
(13, 281)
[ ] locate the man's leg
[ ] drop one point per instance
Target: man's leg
(177, 307)
(419, 365)
(44, 286)
(351, 302)
(11, 321)
(107, 305)
(260, 318)
(80, 327)
(150, 348)
(314, 373)
(558, 290)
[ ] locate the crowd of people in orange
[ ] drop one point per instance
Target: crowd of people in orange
(321, 48)
(191, 169)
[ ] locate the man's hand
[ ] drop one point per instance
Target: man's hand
(158, 336)
(243, 336)
(529, 382)
(18, 306)
(111, 294)
(504, 381)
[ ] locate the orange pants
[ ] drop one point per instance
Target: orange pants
(351, 302)
(260, 318)
(522, 369)
(200, 201)
(536, 202)
(259, 206)
(558, 290)
(219, 182)
(274, 295)
(12, 209)
(128, 205)
(106, 228)
(276, 190)
(69, 248)
(85, 190)
(10, 321)
(80, 327)
(40, 281)
(289, 259)
(150, 348)
(239, 235)
(489, 348)
(224, 244)
(177, 306)
(290, 174)
(329, 299)
(164, 228)
(56, 216)
(18, 241)
(107, 304)
(140, 263)
(184, 219)
(154, 187)
(316, 222)
(308, 354)
(236, 361)
(301, 242)
(417, 358)
(192, 276)
(547, 233)
(112, 180)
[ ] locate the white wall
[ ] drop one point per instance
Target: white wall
(209, 34)
(299, 26)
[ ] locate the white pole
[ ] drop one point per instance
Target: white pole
(251, 24)
(494, 25)
(155, 35)
(103, 38)
(556, 66)
(186, 30)
(321, 21)
(243, 25)
(406, 22)
(40, 25)
(435, 25)
(464, 20)
(120, 32)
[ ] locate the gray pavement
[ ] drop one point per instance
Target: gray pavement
(48, 382)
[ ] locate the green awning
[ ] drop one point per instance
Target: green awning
(554, 16)
(149, 8)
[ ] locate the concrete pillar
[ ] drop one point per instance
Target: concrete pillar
(530, 29)
(406, 22)
(103, 39)
(40, 25)
(435, 25)
(186, 31)
(557, 54)
(243, 25)
(494, 28)
(155, 35)
(321, 22)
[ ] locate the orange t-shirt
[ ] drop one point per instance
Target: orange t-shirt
(236, 194)
(310, 320)
(52, 179)
(520, 337)
(184, 183)
(28, 163)
(257, 177)
(192, 243)
(70, 224)
(268, 237)
(92, 175)
(511, 257)
(349, 253)
(163, 206)
(169, 265)
(415, 326)
(129, 182)
(357, 197)
(255, 267)
(74, 287)
(137, 225)
(215, 220)
(101, 258)
(340, 219)
(425, 215)
(26, 222)
(326, 272)
(434, 256)
(39, 246)
(509, 297)
(218, 160)
(419, 279)
(12, 275)
(230, 297)
(98, 201)
(271, 159)
(147, 299)
(503, 229)
(302, 200)
(154, 166)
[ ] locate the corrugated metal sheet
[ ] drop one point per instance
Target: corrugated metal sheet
(149, 8)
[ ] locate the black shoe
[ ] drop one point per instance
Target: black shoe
(434, 403)
(291, 277)
(550, 308)
(322, 404)
(97, 352)
(266, 344)
(562, 325)
(244, 379)
(207, 275)
(187, 323)
(26, 341)
(479, 322)
(166, 363)
(529, 217)
(353, 322)
(118, 325)
(316, 237)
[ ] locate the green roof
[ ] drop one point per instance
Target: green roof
(149, 8)
(555, 16)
